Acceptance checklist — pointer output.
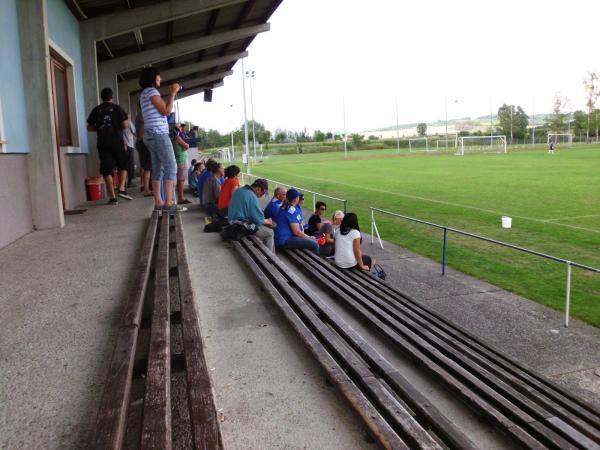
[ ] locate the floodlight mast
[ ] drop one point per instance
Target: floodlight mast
(250, 75)
(345, 135)
(247, 151)
(397, 129)
(446, 113)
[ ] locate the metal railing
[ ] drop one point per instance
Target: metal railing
(301, 189)
(446, 229)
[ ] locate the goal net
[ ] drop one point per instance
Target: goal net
(560, 138)
(418, 145)
(481, 144)
(451, 142)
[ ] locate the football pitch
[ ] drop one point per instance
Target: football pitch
(554, 202)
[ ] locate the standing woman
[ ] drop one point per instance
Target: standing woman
(156, 136)
(347, 245)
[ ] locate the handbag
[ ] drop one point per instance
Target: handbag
(378, 272)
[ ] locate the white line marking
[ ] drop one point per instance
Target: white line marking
(571, 218)
(441, 202)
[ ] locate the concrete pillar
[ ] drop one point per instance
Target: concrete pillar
(90, 93)
(108, 79)
(44, 177)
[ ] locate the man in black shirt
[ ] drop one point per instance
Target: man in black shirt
(314, 223)
(108, 120)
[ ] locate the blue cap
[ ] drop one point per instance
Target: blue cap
(292, 194)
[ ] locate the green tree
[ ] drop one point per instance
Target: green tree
(592, 91)
(581, 123)
(328, 135)
(357, 140)
(422, 129)
(319, 136)
(558, 121)
(512, 121)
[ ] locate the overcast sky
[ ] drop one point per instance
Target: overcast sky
(476, 53)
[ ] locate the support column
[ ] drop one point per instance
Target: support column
(44, 177)
(90, 93)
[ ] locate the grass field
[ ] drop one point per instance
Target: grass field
(554, 202)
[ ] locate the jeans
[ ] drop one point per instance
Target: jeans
(163, 156)
(298, 242)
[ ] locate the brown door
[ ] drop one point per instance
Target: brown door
(62, 117)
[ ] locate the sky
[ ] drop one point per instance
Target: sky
(466, 56)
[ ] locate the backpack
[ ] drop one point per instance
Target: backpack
(378, 272)
(236, 230)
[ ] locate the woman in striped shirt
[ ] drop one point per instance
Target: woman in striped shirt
(156, 136)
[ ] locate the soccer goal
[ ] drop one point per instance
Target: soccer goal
(560, 138)
(418, 145)
(451, 142)
(481, 144)
(226, 154)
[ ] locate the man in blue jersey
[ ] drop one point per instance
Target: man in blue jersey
(275, 203)
(289, 232)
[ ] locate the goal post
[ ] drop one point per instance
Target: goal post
(418, 144)
(481, 144)
(560, 138)
(452, 142)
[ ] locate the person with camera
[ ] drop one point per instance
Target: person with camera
(156, 137)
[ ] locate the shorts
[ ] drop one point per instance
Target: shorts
(182, 172)
(112, 157)
(144, 153)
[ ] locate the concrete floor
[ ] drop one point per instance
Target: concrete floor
(61, 293)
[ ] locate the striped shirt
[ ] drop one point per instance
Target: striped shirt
(154, 122)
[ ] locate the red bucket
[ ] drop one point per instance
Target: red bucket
(94, 188)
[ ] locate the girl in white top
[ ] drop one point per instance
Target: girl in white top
(347, 245)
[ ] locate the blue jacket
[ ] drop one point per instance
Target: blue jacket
(244, 205)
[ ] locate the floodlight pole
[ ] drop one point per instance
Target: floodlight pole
(446, 113)
(250, 75)
(532, 121)
(511, 123)
(345, 136)
(247, 151)
(397, 129)
(491, 123)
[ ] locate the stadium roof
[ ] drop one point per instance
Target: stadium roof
(192, 39)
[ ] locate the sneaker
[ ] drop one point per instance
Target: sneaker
(113, 201)
(184, 202)
(123, 194)
(174, 208)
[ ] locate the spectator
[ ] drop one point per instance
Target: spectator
(347, 245)
(191, 171)
(300, 207)
(327, 231)
(289, 232)
(231, 184)
(129, 141)
(108, 120)
(156, 136)
(199, 169)
(314, 222)
(194, 136)
(275, 203)
(212, 189)
(205, 175)
(244, 207)
(143, 153)
(180, 148)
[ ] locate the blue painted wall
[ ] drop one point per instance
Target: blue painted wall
(63, 30)
(11, 80)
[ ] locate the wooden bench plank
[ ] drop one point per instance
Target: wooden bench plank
(156, 425)
(203, 414)
(112, 415)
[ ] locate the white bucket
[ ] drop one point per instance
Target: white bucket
(506, 222)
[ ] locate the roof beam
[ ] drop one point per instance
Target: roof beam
(76, 9)
(110, 25)
(184, 71)
(139, 39)
(198, 81)
(147, 57)
(198, 90)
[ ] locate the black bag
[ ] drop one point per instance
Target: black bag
(216, 225)
(236, 230)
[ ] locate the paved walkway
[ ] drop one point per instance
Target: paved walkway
(62, 291)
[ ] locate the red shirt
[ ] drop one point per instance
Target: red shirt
(230, 185)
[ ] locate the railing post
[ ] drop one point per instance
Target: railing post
(444, 253)
(314, 201)
(372, 223)
(568, 294)
(346, 206)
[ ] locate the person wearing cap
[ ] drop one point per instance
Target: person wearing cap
(244, 207)
(275, 203)
(289, 232)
